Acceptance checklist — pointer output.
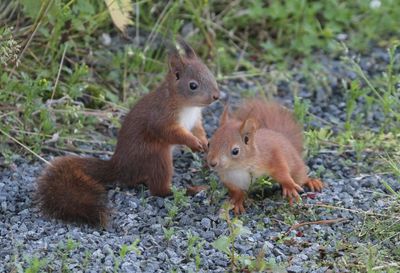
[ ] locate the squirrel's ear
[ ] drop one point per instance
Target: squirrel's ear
(247, 129)
(189, 52)
(175, 62)
(225, 115)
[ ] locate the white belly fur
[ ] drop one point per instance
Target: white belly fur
(189, 116)
(241, 177)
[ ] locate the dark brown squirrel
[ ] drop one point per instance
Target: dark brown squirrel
(73, 189)
(261, 138)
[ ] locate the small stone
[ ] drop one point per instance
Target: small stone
(294, 269)
(208, 235)
(162, 256)
(160, 202)
(268, 245)
(206, 223)
(105, 39)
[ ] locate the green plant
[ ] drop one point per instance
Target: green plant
(381, 92)
(64, 252)
(124, 250)
(315, 138)
(168, 233)
(300, 108)
(180, 200)
(194, 248)
(216, 192)
(9, 48)
(35, 265)
(226, 244)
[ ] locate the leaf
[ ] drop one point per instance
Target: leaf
(120, 11)
(222, 244)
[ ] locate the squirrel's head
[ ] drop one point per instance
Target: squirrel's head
(190, 78)
(232, 145)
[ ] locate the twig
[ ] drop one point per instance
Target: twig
(25, 147)
(72, 150)
(321, 222)
(35, 29)
(240, 75)
(61, 137)
(59, 72)
(386, 266)
(356, 211)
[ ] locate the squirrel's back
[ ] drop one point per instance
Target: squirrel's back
(273, 116)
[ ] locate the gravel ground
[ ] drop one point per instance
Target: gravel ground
(25, 234)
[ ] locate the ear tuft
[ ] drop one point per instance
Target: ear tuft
(225, 115)
(175, 62)
(189, 52)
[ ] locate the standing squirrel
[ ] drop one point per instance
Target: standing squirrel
(73, 189)
(262, 138)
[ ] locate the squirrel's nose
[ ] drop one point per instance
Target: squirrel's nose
(213, 163)
(215, 97)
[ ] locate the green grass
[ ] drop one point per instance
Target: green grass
(60, 57)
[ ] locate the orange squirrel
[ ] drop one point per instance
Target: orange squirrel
(262, 138)
(73, 188)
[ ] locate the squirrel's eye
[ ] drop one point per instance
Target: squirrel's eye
(235, 151)
(177, 75)
(193, 85)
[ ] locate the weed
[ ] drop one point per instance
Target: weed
(168, 233)
(194, 248)
(9, 48)
(315, 138)
(226, 244)
(65, 250)
(180, 200)
(300, 108)
(35, 265)
(124, 250)
(216, 192)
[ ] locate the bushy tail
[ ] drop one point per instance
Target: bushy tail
(275, 117)
(73, 189)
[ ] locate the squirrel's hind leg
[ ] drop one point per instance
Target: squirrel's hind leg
(301, 178)
(290, 188)
(159, 178)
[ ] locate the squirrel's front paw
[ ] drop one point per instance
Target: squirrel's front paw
(204, 142)
(238, 207)
(196, 145)
(291, 192)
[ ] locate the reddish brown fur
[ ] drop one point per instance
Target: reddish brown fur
(72, 188)
(273, 116)
(68, 191)
(269, 141)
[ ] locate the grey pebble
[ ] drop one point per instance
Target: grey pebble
(294, 269)
(206, 223)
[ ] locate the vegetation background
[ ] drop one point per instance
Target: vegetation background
(68, 74)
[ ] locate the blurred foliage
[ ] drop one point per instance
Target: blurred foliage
(76, 70)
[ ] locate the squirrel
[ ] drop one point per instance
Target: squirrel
(261, 138)
(73, 188)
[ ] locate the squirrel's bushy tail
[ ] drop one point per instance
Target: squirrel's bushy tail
(73, 189)
(273, 116)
